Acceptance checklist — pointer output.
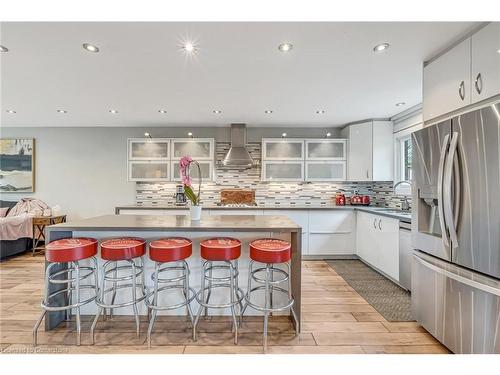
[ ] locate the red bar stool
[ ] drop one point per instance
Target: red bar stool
(169, 250)
(224, 252)
(115, 251)
(69, 251)
(271, 252)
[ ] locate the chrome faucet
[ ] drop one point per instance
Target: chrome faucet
(405, 206)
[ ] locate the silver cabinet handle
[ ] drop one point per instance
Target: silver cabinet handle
(379, 224)
(367, 174)
(447, 188)
(442, 224)
(479, 83)
(461, 90)
(374, 223)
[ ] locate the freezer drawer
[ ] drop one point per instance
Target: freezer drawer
(458, 307)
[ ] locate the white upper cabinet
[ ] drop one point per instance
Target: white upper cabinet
(486, 62)
(383, 151)
(149, 149)
(466, 74)
(370, 151)
(447, 81)
(282, 149)
(326, 171)
(197, 148)
(157, 159)
(326, 149)
(283, 171)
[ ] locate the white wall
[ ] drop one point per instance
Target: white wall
(84, 170)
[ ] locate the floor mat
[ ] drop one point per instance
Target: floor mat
(390, 300)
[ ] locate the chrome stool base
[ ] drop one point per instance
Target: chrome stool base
(73, 286)
(188, 292)
(111, 275)
(270, 286)
(231, 282)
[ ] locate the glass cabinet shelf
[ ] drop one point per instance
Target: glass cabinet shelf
(148, 149)
(326, 149)
(148, 171)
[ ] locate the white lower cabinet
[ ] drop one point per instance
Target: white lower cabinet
(301, 217)
(332, 232)
(377, 242)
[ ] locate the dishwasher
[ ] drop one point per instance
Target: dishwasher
(405, 254)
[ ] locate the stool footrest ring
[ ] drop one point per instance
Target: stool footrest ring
(150, 305)
(124, 304)
(289, 304)
(239, 292)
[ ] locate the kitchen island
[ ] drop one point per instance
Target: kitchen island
(243, 227)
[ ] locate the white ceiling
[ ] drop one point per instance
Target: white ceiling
(237, 69)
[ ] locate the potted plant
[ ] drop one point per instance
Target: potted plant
(184, 168)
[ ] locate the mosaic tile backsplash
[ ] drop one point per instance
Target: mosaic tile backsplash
(266, 193)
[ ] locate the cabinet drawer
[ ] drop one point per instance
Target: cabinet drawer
(331, 221)
(301, 217)
(331, 244)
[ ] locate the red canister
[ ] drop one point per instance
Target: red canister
(366, 200)
(340, 200)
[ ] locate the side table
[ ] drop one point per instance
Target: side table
(39, 224)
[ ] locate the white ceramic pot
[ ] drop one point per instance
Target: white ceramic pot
(195, 212)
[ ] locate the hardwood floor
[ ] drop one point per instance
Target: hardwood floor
(336, 320)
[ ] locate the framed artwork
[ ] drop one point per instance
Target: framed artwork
(17, 165)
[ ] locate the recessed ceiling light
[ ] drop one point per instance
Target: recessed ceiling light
(217, 111)
(285, 47)
(400, 104)
(162, 111)
(268, 111)
(283, 135)
(381, 47)
(190, 47)
(10, 111)
(3, 49)
(320, 111)
(113, 111)
(90, 47)
(62, 111)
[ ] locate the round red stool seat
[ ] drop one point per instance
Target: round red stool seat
(220, 248)
(123, 248)
(270, 250)
(70, 249)
(170, 249)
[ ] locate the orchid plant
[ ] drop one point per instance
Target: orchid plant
(184, 168)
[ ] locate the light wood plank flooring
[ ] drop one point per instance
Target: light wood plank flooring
(335, 320)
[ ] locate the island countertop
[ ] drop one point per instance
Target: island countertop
(237, 223)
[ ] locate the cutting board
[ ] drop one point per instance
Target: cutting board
(228, 196)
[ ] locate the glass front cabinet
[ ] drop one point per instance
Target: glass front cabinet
(282, 149)
(326, 149)
(283, 171)
(157, 159)
(304, 159)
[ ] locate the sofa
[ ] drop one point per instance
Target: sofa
(12, 247)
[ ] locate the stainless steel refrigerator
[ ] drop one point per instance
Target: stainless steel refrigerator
(456, 230)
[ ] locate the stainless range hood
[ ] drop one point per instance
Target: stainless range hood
(238, 155)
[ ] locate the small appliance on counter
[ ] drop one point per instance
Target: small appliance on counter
(359, 200)
(340, 199)
(180, 196)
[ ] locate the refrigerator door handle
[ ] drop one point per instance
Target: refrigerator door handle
(442, 159)
(461, 279)
(447, 185)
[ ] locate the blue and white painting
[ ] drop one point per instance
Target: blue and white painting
(17, 165)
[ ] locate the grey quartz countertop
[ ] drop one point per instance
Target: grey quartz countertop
(387, 212)
(227, 223)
